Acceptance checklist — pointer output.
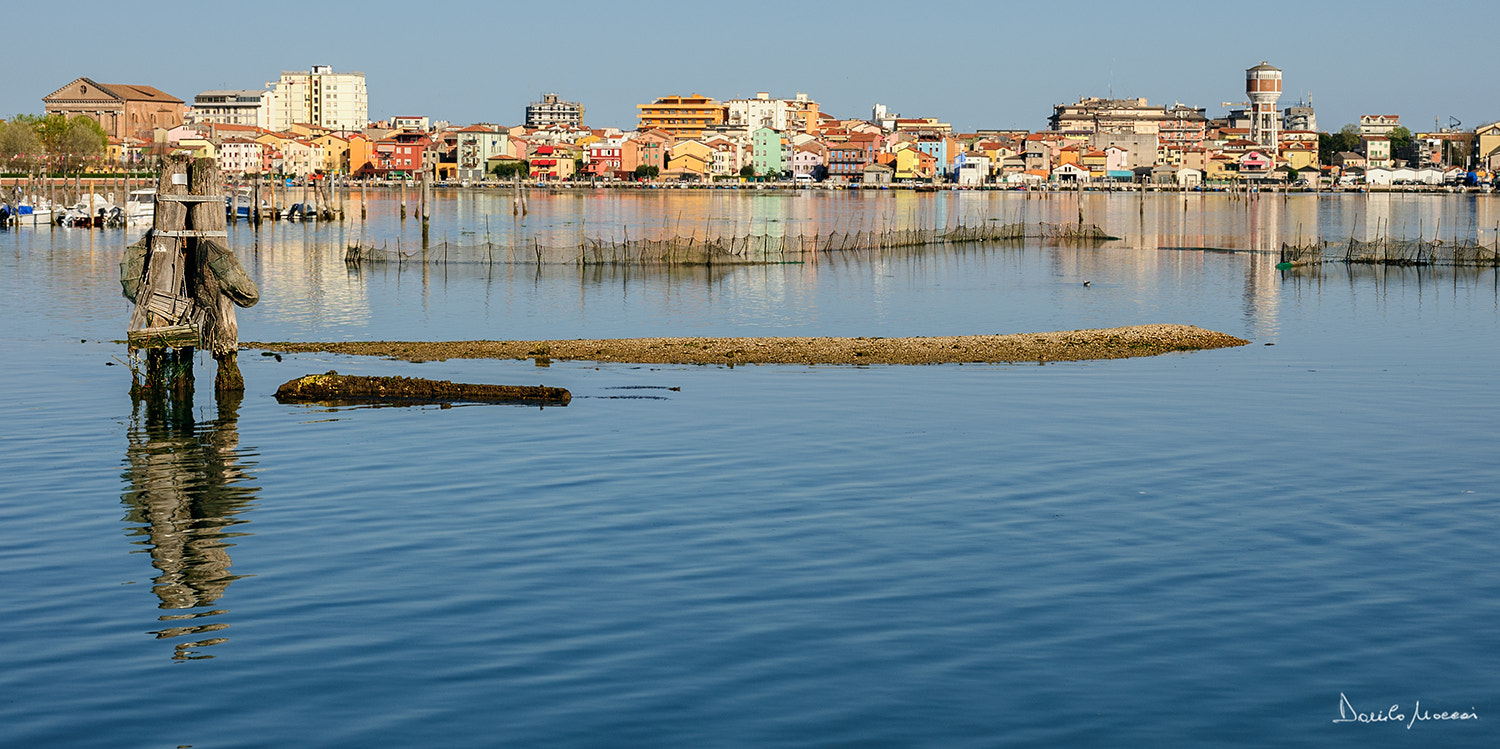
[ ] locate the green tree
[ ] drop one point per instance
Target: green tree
(511, 169)
(1346, 139)
(1325, 148)
(1403, 145)
(20, 149)
(647, 172)
(81, 144)
(70, 144)
(49, 128)
(747, 171)
(1456, 153)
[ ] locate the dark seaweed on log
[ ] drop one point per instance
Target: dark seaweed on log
(333, 388)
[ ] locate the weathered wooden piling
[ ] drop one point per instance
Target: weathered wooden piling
(255, 212)
(218, 281)
(426, 208)
(162, 323)
(232, 215)
(185, 283)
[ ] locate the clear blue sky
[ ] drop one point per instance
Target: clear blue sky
(975, 64)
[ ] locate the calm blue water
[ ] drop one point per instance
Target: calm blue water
(1203, 549)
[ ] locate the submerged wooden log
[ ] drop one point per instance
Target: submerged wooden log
(334, 388)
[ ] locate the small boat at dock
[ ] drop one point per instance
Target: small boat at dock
(237, 204)
(140, 206)
(26, 214)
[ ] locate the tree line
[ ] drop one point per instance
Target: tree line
(1403, 145)
(50, 144)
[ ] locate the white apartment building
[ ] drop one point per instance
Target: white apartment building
(337, 101)
(422, 124)
(1378, 124)
(552, 110)
(476, 146)
(251, 108)
(762, 111)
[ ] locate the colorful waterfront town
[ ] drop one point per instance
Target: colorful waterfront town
(315, 122)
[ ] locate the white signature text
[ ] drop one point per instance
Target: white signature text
(1393, 714)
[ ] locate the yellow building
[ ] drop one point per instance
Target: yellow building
(690, 156)
(681, 115)
(200, 148)
(335, 153)
(120, 152)
(1298, 154)
(1487, 149)
(914, 164)
(688, 165)
(308, 131)
(1218, 168)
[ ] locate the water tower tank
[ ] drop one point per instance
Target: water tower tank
(1263, 83)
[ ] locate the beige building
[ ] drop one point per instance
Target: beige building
(1487, 145)
(337, 101)
(1093, 114)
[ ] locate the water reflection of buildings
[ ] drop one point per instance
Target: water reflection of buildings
(1156, 227)
(187, 484)
(290, 263)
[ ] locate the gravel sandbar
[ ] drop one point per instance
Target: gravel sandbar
(1073, 345)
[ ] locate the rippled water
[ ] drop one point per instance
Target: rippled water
(1200, 549)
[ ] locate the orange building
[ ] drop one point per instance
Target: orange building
(645, 149)
(681, 115)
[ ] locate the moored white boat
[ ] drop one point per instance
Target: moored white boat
(94, 210)
(35, 211)
(140, 206)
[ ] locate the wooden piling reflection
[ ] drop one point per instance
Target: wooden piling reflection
(186, 485)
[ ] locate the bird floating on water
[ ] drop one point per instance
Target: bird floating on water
(1088, 283)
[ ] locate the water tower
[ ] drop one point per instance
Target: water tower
(1263, 86)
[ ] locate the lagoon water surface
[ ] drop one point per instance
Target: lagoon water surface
(1223, 548)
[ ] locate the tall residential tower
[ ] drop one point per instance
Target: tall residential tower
(320, 97)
